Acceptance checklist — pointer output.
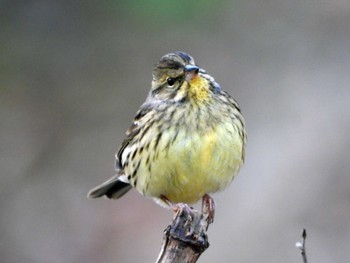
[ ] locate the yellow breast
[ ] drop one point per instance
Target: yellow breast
(193, 165)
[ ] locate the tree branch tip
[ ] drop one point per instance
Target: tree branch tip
(301, 246)
(304, 234)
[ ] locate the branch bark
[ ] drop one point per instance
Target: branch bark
(185, 239)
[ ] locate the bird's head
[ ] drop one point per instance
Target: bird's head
(177, 77)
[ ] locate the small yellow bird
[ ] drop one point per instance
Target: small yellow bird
(187, 140)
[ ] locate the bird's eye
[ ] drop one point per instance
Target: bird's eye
(170, 81)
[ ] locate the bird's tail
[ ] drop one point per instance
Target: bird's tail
(113, 188)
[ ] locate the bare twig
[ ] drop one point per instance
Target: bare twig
(301, 246)
(185, 239)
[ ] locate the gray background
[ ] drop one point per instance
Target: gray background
(73, 74)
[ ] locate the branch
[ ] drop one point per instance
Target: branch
(185, 239)
(301, 246)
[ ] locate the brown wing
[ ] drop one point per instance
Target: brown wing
(118, 185)
(133, 130)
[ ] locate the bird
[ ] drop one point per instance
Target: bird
(186, 141)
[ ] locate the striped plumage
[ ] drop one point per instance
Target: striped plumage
(187, 139)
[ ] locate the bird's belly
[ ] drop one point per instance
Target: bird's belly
(193, 165)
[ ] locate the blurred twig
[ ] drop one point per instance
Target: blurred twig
(301, 246)
(185, 239)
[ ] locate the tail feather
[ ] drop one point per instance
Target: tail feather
(113, 188)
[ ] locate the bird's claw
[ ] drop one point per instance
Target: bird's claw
(208, 208)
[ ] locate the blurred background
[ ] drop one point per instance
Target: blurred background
(73, 74)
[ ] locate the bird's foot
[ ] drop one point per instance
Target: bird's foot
(177, 208)
(208, 208)
(182, 208)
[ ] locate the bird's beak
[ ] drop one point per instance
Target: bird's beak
(191, 72)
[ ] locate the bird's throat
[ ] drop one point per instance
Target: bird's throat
(198, 89)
